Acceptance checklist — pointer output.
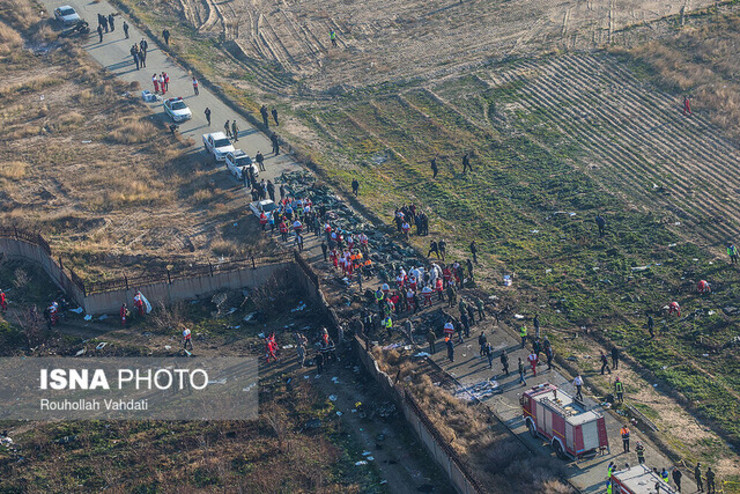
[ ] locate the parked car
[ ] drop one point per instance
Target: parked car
(266, 206)
(177, 109)
(66, 15)
(237, 160)
(218, 145)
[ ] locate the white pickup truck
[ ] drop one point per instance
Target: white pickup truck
(217, 144)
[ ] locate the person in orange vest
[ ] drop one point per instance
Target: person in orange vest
(704, 288)
(674, 308)
(123, 312)
(3, 301)
(625, 433)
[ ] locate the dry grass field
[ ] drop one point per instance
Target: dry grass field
(83, 161)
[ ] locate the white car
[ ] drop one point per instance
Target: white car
(66, 15)
(237, 160)
(218, 145)
(266, 206)
(177, 109)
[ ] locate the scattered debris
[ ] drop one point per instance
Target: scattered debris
(101, 345)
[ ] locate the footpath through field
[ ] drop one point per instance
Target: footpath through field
(113, 54)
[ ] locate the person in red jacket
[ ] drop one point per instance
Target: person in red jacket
(3, 301)
(674, 308)
(123, 314)
(704, 288)
(686, 106)
(139, 304)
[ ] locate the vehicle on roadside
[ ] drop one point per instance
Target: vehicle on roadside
(237, 160)
(177, 109)
(639, 479)
(265, 206)
(572, 430)
(218, 145)
(66, 15)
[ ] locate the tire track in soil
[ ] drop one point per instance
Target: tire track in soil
(607, 111)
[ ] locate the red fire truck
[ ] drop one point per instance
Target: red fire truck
(571, 429)
(639, 480)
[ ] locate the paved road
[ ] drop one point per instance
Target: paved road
(113, 54)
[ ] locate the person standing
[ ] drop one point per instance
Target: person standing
(187, 339)
(433, 165)
(619, 390)
(111, 21)
(234, 130)
(260, 162)
(355, 187)
(615, 358)
(640, 449)
(271, 190)
(208, 115)
(710, 481)
(522, 370)
(275, 117)
(125, 29)
(442, 245)
(651, 326)
(142, 57)
(275, 143)
(466, 163)
(263, 112)
(474, 251)
(433, 248)
(677, 477)
(319, 363)
(333, 38)
(100, 33)
(166, 36)
(195, 86)
(601, 223)
(143, 45)
(227, 129)
(697, 478)
(135, 55)
(432, 339)
(604, 363)
(732, 252)
(523, 335)
(488, 352)
(533, 359)
(549, 354)
(104, 22)
(482, 340)
(536, 324)
(479, 306)
(578, 383)
(504, 362)
(4, 301)
(686, 108)
(450, 349)
(625, 433)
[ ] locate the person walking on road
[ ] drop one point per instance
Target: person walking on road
(208, 115)
(522, 370)
(227, 129)
(275, 117)
(433, 166)
(615, 358)
(166, 36)
(697, 478)
(263, 112)
(195, 86)
(578, 383)
(103, 22)
(125, 29)
(234, 130)
(111, 21)
(625, 433)
(100, 33)
(260, 161)
(604, 363)
(732, 252)
(677, 477)
(619, 390)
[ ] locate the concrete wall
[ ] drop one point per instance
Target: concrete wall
(184, 289)
(20, 249)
